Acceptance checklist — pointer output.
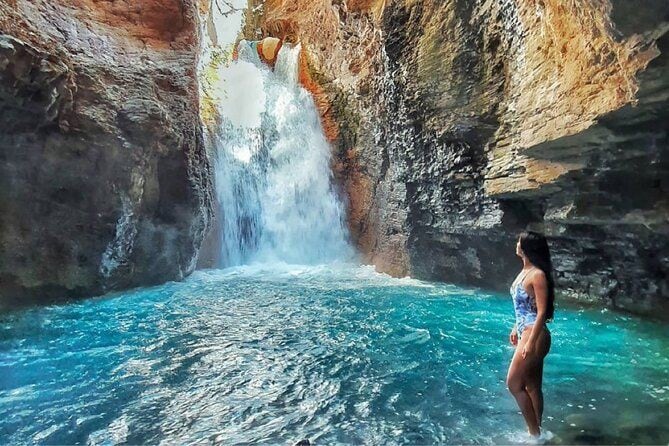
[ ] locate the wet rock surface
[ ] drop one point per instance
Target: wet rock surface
(104, 182)
(459, 124)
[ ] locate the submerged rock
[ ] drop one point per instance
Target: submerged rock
(104, 182)
(460, 123)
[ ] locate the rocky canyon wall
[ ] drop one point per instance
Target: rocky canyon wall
(104, 182)
(456, 124)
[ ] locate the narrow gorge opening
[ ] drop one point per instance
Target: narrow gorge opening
(275, 194)
(273, 177)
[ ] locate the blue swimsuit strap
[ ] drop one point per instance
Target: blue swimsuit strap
(520, 282)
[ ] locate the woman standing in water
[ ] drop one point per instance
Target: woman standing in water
(533, 301)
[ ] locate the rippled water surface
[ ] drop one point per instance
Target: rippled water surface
(332, 354)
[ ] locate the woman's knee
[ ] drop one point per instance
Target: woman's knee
(532, 386)
(515, 384)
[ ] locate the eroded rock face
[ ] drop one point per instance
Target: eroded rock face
(104, 182)
(461, 123)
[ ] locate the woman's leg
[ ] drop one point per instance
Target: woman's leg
(534, 384)
(534, 391)
(520, 371)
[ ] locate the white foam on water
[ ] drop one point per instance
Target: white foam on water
(340, 275)
(116, 433)
(523, 437)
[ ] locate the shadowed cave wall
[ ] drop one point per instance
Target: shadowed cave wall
(104, 184)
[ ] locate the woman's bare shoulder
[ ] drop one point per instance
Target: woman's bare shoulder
(537, 276)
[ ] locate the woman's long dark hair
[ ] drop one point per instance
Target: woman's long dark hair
(535, 248)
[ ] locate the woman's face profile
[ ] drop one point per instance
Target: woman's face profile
(519, 251)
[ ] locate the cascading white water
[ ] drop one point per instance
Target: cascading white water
(273, 175)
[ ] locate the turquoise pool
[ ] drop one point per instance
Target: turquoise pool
(333, 354)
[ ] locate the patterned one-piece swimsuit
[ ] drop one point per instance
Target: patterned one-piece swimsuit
(524, 305)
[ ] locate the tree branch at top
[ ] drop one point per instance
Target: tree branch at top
(230, 7)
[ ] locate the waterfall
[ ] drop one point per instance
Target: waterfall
(273, 175)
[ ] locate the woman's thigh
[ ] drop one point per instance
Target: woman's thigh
(519, 369)
(525, 369)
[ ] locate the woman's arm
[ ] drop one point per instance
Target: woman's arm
(513, 336)
(540, 286)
